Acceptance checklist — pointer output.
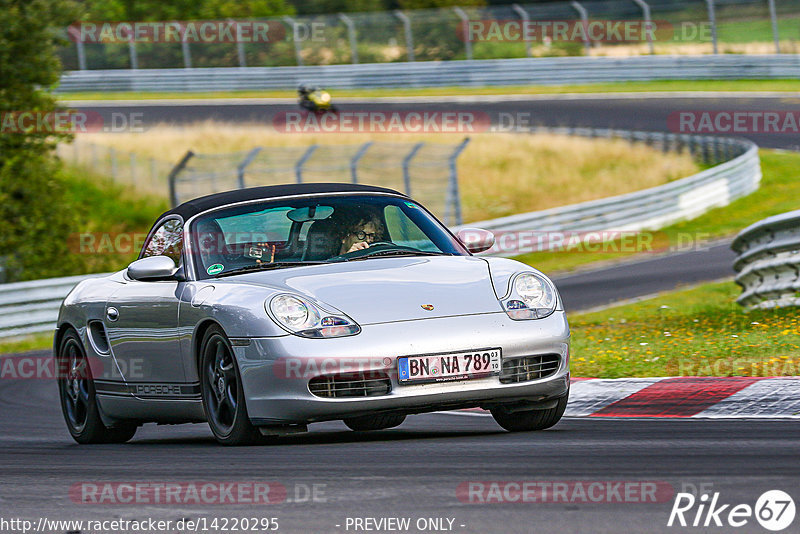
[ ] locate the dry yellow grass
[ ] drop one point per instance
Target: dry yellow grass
(499, 174)
(692, 49)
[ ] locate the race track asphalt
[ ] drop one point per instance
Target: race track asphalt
(602, 111)
(412, 471)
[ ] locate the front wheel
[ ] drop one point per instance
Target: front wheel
(222, 391)
(374, 422)
(78, 398)
(531, 419)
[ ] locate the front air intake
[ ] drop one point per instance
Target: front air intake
(529, 368)
(362, 384)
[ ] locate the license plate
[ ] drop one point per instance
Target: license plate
(448, 367)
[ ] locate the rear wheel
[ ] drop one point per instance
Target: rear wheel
(78, 399)
(222, 391)
(530, 420)
(375, 422)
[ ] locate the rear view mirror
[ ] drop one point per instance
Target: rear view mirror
(152, 268)
(476, 239)
(311, 213)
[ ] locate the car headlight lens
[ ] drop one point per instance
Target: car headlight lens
(531, 297)
(290, 311)
(304, 318)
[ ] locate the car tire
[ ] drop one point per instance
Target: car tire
(374, 422)
(78, 397)
(222, 392)
(530, 420)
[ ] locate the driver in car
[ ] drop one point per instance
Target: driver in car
(361, 234)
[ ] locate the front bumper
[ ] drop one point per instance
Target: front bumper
(277, 397)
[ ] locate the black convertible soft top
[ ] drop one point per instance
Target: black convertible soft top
(198, 205)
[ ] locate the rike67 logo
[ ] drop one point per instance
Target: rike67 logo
(774, 510)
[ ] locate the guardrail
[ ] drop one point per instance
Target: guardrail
(768, 262)
(526, 71)
(650, 209)
(32, 307)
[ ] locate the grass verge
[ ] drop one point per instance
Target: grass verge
(694, 332)
(43, 341)
(787, 85)
(778, 193)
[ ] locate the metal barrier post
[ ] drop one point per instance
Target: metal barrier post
(113, 156)
(351, 32)
(585, 21)
(454, 193)
(243, 165)
(409, 35)
(133, 167)
(525, 19)
(79, 47)
(712, 19)
(298, 168)
(187, 53)
(132, 53)
(355, 159)
(648, 24)
(774, 18)
(467, 37)
(298, 48)
(406, 165)
(153, 172)
(173, 175)
(239, 44)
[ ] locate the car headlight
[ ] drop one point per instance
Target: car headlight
(304, 318)
(530, 296)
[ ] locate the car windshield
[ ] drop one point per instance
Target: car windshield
(292, 232)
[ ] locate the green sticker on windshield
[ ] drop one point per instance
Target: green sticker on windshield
(411, 205)
(215, 269)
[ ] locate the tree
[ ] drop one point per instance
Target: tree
(34, 226)
(159, 10)
(425, 4)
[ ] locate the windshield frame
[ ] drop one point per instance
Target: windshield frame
(191, 253)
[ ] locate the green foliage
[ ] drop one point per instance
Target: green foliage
(313, 7)
(33, 228)
(45, 208)
(424, 4)
(158, 10)
(28, 61)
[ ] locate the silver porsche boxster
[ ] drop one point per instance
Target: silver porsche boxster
(263, 310)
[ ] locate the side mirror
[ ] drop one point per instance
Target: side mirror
(476, 239)
(152, 268)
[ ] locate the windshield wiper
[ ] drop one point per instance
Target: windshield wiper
(397, 252)
(268, 266)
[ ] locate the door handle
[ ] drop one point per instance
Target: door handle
(112, 314)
